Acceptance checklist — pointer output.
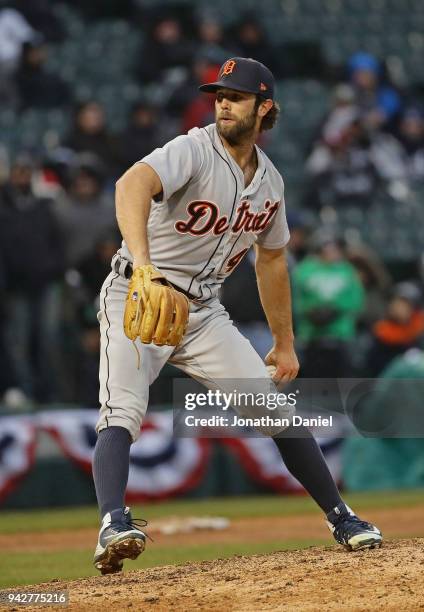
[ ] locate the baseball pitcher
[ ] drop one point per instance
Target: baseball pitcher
(188, 214)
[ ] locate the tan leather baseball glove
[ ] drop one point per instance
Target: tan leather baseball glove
(154, 310)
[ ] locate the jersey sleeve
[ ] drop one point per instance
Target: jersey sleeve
(277, 233)
(175, 163)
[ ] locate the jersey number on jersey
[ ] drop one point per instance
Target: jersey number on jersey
(235, 260)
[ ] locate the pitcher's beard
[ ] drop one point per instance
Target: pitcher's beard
(238, 132)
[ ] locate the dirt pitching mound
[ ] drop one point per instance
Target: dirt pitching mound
(395, 523)
(306, 580)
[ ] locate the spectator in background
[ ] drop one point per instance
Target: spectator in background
(187, 92)
(349, 163)
(32, 256)
(14, 32)
(250, 40)
(86, 364)
(89, 133)
(395, 458)
(86, 212)
(142, 135)
(53, 176)
(165, 47)
(96, 265)
(410, 134)
(327, 299)
(85, 293)
(375, 280)
(42, 18)
(344, 168)
(402, 328)
(211, 43)
(201, 109)
(342, 112)
(300, 231)
(379, 102)
(36, 87)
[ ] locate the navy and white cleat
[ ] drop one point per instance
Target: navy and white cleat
(350, 531)
(120, 538)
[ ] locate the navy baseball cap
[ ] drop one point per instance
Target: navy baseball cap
(243, 74)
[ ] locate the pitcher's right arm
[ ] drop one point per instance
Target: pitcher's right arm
(133, 196)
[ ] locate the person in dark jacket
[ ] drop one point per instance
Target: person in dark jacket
(85, 212)
(166, 46)
(251, 40)
(90, 134)
(86, 295)
(410, 135)
(42, 18)
(33, 261)
(142, 134)
(36, 86)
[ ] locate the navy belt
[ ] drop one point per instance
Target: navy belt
(125, 268)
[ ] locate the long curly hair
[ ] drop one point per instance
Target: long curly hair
(271, 117)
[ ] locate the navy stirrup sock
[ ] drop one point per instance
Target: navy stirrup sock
(305, 461)
(110, 467)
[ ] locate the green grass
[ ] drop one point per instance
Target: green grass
(231, 507)
(31, 568)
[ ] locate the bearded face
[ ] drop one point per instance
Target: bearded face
(236, 116)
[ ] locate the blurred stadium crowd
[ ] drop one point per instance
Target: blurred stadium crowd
(88, 88)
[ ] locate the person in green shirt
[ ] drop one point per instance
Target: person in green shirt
(327, 299)
(391, 455)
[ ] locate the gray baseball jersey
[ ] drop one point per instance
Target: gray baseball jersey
(203, 225)
(207, 219)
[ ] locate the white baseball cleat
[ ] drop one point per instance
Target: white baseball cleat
(120, 538)
(350, 531)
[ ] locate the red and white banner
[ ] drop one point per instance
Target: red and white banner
(17, 451)
(262, 461)
(161, 465)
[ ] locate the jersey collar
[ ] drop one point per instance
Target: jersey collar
(260, 171)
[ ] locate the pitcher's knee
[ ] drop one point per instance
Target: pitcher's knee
(129, 422)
